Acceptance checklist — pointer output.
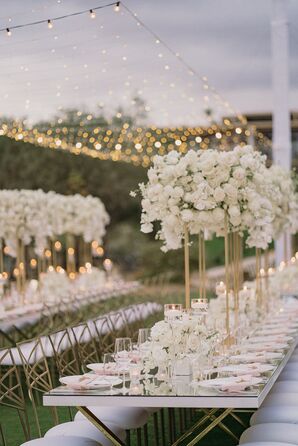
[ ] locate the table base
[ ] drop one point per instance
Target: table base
(210, 420)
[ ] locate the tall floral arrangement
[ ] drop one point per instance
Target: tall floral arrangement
(199, 190)
(174, 340)
(30, 215)
(281, 190)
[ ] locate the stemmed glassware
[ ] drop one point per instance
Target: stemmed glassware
(144, 337)
(108, 362)
(123, 357)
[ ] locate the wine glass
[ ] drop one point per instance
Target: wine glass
(123, 356)
(144, 335)
(109, 367)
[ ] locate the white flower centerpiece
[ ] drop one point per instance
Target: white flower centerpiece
(174, 340)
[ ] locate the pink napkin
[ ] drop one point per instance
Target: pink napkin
(237, 386)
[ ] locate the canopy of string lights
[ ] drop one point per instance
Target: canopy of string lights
(194, 113)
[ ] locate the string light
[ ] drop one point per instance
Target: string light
(117, 7)
(50, 21)
(92, 14)
(134, 145)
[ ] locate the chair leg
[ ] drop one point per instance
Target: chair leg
(128, 437)
(146, 435)
(139, 437)
(163, 428)
(174, 424)
(155, 426)
(171, 425)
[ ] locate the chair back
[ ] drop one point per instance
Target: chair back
(11, 391)
(85, 345)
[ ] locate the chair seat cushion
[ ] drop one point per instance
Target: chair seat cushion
(285, 387)
(281, 400)
(59, 441)
(125, 417)
(270, 433)
(85, 429)
(275, 415)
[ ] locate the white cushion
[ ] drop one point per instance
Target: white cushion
(85, 429)
(59, 441)
(281, 399)
(285, 387)
(125, 417)
(271, 432)
(275, 415)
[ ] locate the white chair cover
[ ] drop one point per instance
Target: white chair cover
(271, 432)
(275, 415)
(281, 400)
(125, 417)
(288, 376)
(59, 441)
(285, 387)
(85, 429)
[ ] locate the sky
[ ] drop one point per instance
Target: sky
(106, 61)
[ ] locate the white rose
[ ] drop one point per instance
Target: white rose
(187, 215)
(147, 227)
(219, 194)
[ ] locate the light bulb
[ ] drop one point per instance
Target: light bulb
(92, 14)
(8, 32)
(50, 24)
(117, 7)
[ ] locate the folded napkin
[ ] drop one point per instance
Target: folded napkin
(238, 385)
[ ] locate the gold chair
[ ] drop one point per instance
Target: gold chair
(64, 352)
(11, 392)
(104, 339)
(85, 345)
(33, 355)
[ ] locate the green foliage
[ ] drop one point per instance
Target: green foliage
(24, 166)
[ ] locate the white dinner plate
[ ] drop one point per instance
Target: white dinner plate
(269, 347)
(268, 339)
(233, 383)
(257, 357)
(87, 382)
(99, 368)
(277, 331)
(246, 369)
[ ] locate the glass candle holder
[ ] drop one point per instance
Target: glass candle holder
(220, 288)
(199, 306)
(172, 312)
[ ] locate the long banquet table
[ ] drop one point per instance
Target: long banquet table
(183, 396)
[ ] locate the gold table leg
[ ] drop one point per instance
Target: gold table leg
(216, 421)
(101, 426)
(223, 427)
(195, 426)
